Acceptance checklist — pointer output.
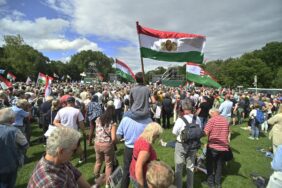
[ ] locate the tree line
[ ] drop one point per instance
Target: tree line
(23, 60)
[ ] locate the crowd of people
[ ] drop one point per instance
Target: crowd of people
(136, 115)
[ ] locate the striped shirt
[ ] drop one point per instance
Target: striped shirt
(217, 130)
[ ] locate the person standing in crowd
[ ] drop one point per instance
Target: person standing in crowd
(13, 144)
(176, 108)
(44, 120)
(129, 130)
(139, 100)
(105, 139)
(226, 107)
(254, 124)
(167, 110)
(143, 153)
(276, 132)
(217, 130)
(93, 111)
(71, 117)
(54, 169)
(185, 153)
(118, 106)
(203, 111)
(275, 180)
(163, 179)
(20, 113)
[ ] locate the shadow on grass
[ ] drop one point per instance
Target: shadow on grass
(234, 135)
(22, 185)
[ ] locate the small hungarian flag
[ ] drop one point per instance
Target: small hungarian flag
(10, 76)
(42, 78)
(48, 89)
(171, 46)
(5, 84)
(124, 71)
(195, 73)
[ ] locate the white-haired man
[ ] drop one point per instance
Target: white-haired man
(217, 130)
(54, 170)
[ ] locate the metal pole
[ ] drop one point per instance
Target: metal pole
(142, 64)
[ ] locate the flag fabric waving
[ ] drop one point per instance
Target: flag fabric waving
(124, 71)
(171, 46)
(42, 78)
(11, 76)
(28, 81)
(55, 75)
(48, 89)
(195, 73)
(5, 84)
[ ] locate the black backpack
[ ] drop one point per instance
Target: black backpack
(192, 133)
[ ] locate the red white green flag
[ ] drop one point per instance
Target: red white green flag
(5, 84)
(124, 71)
(11, 76)
(42, 78)
(171, 46)
(195, 73)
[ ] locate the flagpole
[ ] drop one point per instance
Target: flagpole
(142, 64)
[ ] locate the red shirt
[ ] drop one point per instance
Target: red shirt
(217, 130)
(141, 145)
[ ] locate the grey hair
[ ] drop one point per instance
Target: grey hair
(186, 104)
(214, 110)
(6, 115)
(63, 138)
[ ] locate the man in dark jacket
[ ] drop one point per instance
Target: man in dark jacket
(167, 109)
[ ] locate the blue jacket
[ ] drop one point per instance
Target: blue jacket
(11, 156)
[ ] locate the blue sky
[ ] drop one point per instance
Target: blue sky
(61, 28)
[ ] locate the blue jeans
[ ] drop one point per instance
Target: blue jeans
(254, 129)
(203, 121)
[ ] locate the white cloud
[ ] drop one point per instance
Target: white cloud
(43, 33)
(64, 44)
(63, 6)
(232, 27)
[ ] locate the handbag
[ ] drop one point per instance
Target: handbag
(228, 155)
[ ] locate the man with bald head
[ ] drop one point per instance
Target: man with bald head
(217, 130)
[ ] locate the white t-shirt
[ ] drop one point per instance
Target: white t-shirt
(69, 117)
(180, 124)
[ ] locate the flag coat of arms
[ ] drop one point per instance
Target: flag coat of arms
(171, 46)
(124, 71)
(11, 76)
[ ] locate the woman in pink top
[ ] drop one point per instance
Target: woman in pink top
(143, 153)
(105, 138)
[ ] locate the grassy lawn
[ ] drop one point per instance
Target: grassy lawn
(235, 174)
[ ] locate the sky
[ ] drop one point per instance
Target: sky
(62, 28)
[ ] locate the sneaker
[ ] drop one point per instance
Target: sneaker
(162, 143)
(257, 138)
(80, 161)
(251, 138)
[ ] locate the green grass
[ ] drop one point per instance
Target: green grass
(235, 174)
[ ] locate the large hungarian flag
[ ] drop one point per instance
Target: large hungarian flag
(124, 71)
(197, 74)
(11, 76)
(5, 84)
(171, 46)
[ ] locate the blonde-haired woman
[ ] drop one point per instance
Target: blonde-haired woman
(276, 132)
(144, 153)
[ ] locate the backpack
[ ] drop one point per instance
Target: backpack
(192, 133)
(259, 117)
